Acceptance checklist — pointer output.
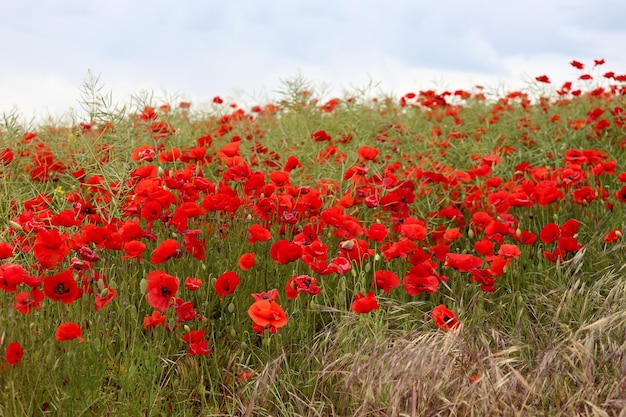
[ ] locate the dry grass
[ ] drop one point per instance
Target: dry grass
(400, 366)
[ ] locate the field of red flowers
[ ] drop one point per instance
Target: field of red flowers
(255, 262)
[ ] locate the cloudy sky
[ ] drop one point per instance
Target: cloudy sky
(244, 50)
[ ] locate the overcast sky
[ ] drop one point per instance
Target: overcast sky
(243, 50)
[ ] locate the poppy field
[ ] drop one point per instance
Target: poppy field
(438, 253)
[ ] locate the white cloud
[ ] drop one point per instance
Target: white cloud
(243, 48)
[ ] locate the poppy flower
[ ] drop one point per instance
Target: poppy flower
(50, 248)
(247, 261)
(150, 321)
(385, 280)
(307, 284)
(6, 250)
(266, 313)
(463, 262)
(161, 288)
(11, 275)
(226, 284)
(167, 249)
(364, 303)
(415, 284)
(14, 353)
(104, 298)
(271, 295)
(61, 287)
(26, 301)
(509, 251)
(185, 310)
(613, 236)
(133, 250)
(193, 284)
(444, 319)
(68, 331)
(284, 252)
(258, 233)
(367, 153)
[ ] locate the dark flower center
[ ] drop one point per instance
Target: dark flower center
(165, 292)
(61, 289)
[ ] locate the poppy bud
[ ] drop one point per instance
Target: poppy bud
(233, 333)
(470, 234)
(377, 257)
(368, 267)
(104, 293)
(143, 285)
(231, 308)
(16, 225)
(187, 328)
(518, 232)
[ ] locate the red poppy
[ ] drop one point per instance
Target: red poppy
(385, 280)
(247, 261)
(50, 248)
(167, 249)
(133, 250)
(197, 344)
(367, 153)
(11, 275)
(6, 250)
(543, 79)
(257, 233)
(153, 320)
(26, 301)
(463, 262)
(284, 252)
(307, 284)
(104, 298)
(226, 284)
(415, 284)
(14, 353)
(444, 319)
(161, 288)
(61, 287)
(364, 303)
(271, 295)
(613, 236)
(185, 310)
(509, 251)
(266, 313)
(193, 284)
(68, 331)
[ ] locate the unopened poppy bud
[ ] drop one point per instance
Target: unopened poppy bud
(353, 272)
(104, 293)
(143, 285)
(187, 328)
(100, 284)
(470, 234)
(203, 266)
(231, 307)
(368, 267)
(618, 233)
(348, 244)
(555, 217)
(16, 225)
(518, 232)
(377, 257)
(160, 171)
(233, 333)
